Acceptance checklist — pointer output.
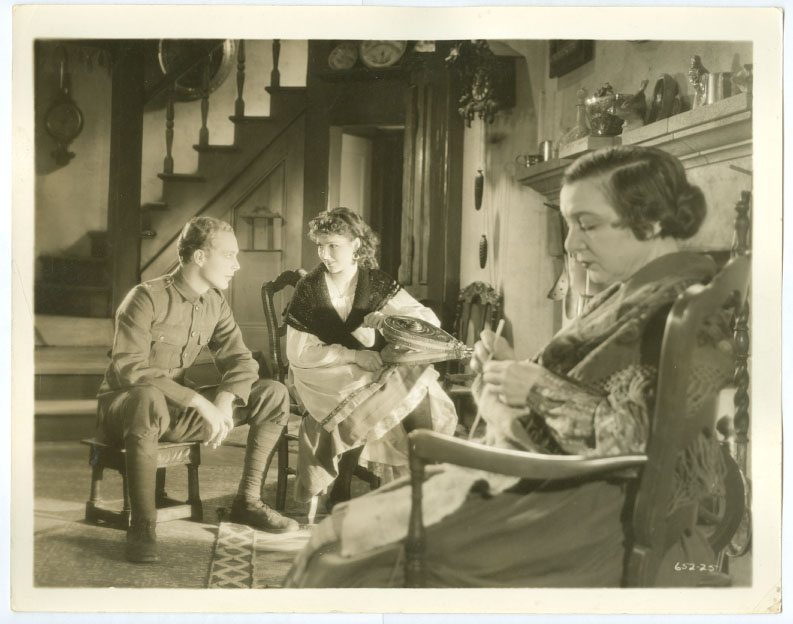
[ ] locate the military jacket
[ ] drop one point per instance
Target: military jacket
(161, 326)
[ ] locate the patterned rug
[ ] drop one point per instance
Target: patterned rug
(246, 558)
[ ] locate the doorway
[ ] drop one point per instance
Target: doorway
(365, 175)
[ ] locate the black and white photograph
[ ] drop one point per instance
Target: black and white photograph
(488, 307)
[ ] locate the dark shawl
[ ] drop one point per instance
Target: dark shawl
(311, 310)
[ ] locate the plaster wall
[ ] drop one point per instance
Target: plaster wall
(520, 231)
(71, 199)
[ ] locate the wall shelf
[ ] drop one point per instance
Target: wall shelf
(358, 73)
(706, 135)
(546, 177)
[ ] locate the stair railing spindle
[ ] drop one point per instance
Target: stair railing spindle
(275, 75)
(239, 105)
(167, 165)
(203, 135)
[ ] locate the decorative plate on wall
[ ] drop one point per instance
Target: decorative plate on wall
(377, 54)
(343, 56)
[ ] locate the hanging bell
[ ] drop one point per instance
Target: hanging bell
(482, 251)
(479, 187)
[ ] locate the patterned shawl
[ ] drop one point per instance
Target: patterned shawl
(311, 310)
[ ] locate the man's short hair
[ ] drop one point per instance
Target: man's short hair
(197, 234)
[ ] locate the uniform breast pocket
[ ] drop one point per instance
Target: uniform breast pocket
(197, 340)
(166, 346)
(205, 335)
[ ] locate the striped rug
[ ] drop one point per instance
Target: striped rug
(246, 558)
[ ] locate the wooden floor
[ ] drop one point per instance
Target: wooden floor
(69, 552)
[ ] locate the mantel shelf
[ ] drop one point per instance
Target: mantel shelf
(708, 134)
(546, 177)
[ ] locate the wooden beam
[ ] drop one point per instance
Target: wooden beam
(126, 151)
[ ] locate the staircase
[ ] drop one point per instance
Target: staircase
(73, 294)
(70, 358)
(206, 191)
(76, 285)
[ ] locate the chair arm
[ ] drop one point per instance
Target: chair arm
(436, 447)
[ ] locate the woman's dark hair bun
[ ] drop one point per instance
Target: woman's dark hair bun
(690, 213)
(646, 186)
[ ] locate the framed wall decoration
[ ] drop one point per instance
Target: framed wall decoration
(568, 54)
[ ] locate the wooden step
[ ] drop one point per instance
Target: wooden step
(72, 300)
(154, 206)
(222, 149)
(69, 373)
(67, 407)
(76, 270)
(181, 177)
(86, 360)
(72, 331)
(251, 119)
(71, 360)
(60, 420)
(286, 100)
(63, 386)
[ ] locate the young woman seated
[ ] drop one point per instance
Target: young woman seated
(588, 392)
(356, 404)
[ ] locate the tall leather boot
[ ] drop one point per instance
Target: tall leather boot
(141, 465)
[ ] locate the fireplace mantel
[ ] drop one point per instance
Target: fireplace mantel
(718, 132)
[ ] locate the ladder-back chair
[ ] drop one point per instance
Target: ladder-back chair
(276, 331)
(279, 366)
(479, 306)
(652, 528)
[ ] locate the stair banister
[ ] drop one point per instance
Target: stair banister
(239, 105)
(167, 165)
(275, 75)
(203, 134)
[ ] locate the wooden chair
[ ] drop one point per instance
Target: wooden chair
(479, 306)
(169, 454)
(276, 331)
(653, 530)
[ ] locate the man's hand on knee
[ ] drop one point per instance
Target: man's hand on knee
(217, 424)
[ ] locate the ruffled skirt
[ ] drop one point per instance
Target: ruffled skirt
(369, 414)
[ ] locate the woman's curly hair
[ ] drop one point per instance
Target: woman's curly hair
(347, 223)
(645, 185)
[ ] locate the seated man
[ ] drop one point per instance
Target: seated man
(161, 327)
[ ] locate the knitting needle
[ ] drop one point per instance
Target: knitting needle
(499, 329)
(583, 298)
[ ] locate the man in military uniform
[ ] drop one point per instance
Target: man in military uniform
(160, 328)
